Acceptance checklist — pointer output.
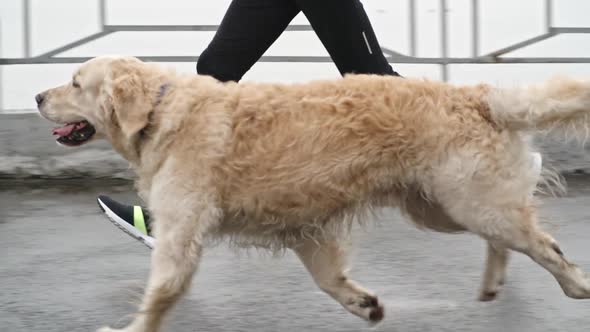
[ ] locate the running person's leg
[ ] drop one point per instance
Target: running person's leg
(131, 219)
(347, 34)
(247, 30)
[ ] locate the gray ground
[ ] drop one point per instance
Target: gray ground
(63, 267)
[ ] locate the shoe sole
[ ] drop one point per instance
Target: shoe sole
(126, 227)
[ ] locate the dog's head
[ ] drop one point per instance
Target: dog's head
(108, 97)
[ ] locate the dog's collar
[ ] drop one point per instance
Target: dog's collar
(163, 88)
(161, 92)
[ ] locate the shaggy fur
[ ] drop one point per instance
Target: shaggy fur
(291, 165)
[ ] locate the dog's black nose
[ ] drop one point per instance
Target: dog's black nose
(39, 99)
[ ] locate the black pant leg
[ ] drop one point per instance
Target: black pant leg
(346, 32)
(247, 30)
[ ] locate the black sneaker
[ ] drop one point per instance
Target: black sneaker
(131, 219)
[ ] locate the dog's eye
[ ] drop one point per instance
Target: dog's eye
(75, 84)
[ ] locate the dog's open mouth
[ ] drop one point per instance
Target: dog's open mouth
(74, 133)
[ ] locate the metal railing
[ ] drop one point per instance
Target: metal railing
(497, 56)
(392, 55)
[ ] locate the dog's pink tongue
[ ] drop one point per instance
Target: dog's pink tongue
(65, 130)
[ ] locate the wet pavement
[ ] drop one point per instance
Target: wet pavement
(64, 267)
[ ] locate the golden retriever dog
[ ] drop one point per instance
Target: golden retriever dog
(292, 166)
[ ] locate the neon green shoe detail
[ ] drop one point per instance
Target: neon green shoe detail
(138, 220)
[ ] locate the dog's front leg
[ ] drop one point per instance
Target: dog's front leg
(326, 262)
(181, 223)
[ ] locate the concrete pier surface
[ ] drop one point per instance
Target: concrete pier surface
(64, 267)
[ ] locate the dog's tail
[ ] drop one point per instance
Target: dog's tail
(558, 105)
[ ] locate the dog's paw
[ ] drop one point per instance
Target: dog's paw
(578, 285)
(368, 307)
(490, 291)
(488, 295)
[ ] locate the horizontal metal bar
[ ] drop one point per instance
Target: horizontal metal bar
(153, 28)
(54, 60)
(521, 44)
(74, 44)
(492, 60)
(310, 59)
(390, 52)
(11, 111)
(557, 30)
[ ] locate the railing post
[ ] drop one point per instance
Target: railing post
(102, 13)
(475, 28)
(1, 78)
(444, 39)
(27, 28)
(412, 26)
(549, 14)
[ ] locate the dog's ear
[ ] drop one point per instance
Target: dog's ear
(130, 102)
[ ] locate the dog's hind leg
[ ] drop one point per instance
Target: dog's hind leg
(326, 262)
(179, 230)
(431, 215)
(495, 271)
(514, 226)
